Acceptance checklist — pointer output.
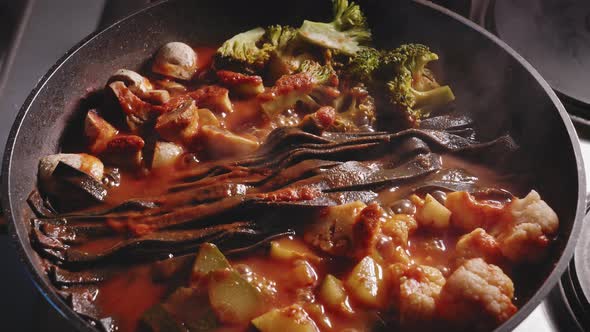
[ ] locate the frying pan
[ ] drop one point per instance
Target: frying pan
(491, 81)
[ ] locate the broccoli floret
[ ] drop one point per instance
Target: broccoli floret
(402, 74)
(356, 111)
(311, 83)
(363, 65)
(345, 33)
(244, 52)
(413, 88)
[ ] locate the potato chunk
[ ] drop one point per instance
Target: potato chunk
(334, 296)
(292, 318)
(366, 283)
(220, 143)
(166, 153)
(431, 213)
(532, 223)
(477, 292)
(415, 289)
(333, 231)
(98, 132)
(234, 300)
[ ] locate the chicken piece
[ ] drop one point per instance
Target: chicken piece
(98, 132)
(181, 125)
(333, 231)
(137, 111)
(477, 293)
(476, 244)
(213, 97)
(366, 230)
(318, 121)
(166, 153)
(531, 225)
(220, 143)
(415, 290)
(468, 214)
(81, 161)
(124, 151)
(240, 84)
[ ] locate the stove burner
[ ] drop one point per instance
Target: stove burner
(554, 35)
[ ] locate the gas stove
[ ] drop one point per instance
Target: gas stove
(35, 33)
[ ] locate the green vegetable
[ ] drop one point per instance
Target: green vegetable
(158, 319)
(209, 259)
(359, 112)
(333, 294)
(366, 284)
(347, 31)
(293, 319)
(233, 298)
(244, 51)
(402, 74)
(191, 307)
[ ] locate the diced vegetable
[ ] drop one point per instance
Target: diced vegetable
(303, 274)
(283, 253)
(166, 153)
(222, 143)
(366, 283)
(433, 214)
(208, 260)
(293, 319)
(207, 118)
(333, 294)
(318, 314)
(234, 299)
(158, 319)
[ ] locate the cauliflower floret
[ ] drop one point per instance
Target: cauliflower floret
(532, 224)
(468, 214)
(332, 232)
(477, 288)
(415, 289)
(478, 244)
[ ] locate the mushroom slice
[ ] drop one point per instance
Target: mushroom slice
(166, 153)
(176, 60)
(136, 110)
(140, 86)
(221, 143)
(170, 86)
(124, 151)
(98, 131)
(213, 97)
(240, 84)
(180, 125)
(80, 161)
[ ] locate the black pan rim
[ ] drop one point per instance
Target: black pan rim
(48, 292)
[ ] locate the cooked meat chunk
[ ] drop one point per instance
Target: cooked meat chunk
(478, 243)
(136, 110)
(468, 214)
(477, 292)
(180, 125)
(367, 229)
(240, 84)
(415, 290)
(98, 132)
(333, 231)
(213, 97)
(318, 121)
(124, 151)
(140, 86)
(220, 143)
(531, 225)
